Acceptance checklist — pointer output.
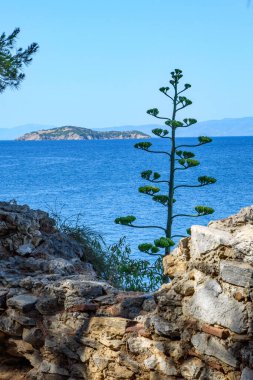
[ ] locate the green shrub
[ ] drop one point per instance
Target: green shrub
(115, 263)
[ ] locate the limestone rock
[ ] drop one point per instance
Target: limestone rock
(34, 336)
(210, 305)
(237, 273)
(116, 326)
(206, 239)
(191, 368)
(247, 374)
(10, 326)
(212, 346)
(57, 317)
(142, 345)
(164, 364)
(25, 249)
(24, 302)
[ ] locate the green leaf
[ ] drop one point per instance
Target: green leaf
(149, 190)
(164, 242)
(204, 210)
(125, 220)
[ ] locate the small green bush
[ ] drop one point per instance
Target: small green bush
(115, 263)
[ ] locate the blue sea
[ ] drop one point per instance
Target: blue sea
(100, 180)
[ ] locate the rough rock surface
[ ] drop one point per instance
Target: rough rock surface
(59, 321)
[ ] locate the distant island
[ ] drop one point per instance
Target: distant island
(79, 133)
(213, 128)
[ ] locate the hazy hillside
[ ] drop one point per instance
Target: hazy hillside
(224, 127)
(14, 133)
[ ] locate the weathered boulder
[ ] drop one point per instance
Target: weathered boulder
(210, 305)
(58, 320)
(236, 273)
(213, 347)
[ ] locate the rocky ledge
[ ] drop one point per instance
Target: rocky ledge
(59, 321)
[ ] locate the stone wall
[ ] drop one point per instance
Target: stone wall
(59, 321)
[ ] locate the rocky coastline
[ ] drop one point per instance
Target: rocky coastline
(59, 321)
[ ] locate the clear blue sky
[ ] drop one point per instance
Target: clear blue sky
(101, 62)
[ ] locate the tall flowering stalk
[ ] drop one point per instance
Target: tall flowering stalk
(179, 160)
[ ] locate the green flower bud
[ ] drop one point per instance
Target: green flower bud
(149, 190)
(204, 210)
(125, 220)
(164, 242)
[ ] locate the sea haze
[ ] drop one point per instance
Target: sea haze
(100, 180)
(225, 127)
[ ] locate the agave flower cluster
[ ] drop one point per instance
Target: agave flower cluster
(179, 160)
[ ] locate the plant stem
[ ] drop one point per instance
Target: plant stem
(172, 172)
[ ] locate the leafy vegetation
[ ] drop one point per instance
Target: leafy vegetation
(179, 159)
(116, 263)
(12, 60)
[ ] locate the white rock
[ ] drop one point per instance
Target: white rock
(210, 305)
(25, 249)
(212, 346)
(236, 273)
(206, 239)
(247, 374)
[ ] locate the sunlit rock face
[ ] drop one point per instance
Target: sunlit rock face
(58, 320)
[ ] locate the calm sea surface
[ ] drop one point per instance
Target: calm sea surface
(100, 180)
